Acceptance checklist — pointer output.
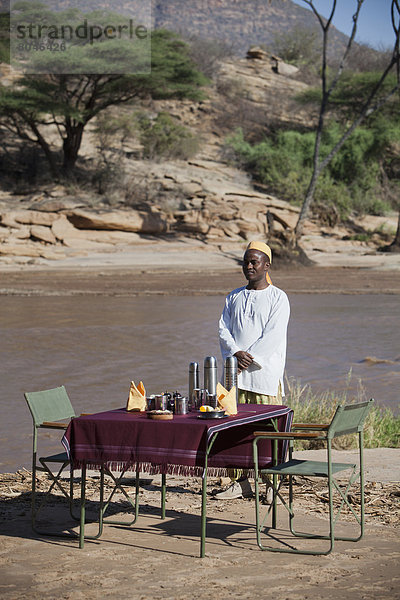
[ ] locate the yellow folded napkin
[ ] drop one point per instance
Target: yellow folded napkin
(137, 397)
(227, 400)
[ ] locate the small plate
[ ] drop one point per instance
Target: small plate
(215, 414)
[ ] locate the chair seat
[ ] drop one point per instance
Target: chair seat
(311, 468)
(59, 458)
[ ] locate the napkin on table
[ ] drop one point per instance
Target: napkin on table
(227, 400)
(137, 397)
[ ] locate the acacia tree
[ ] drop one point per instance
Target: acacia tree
(372, 102)
(38, 106)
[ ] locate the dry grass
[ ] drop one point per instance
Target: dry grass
(382, 429)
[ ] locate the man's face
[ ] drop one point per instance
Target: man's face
(255, 265)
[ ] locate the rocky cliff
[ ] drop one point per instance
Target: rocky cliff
(237, 23)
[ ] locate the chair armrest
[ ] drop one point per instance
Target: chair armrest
(310, 426)
(85, 414)
(54, 425)
(290, 435)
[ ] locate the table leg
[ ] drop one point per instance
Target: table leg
(204, 497)
(163, 494)
(274, 483)
(203, 514)
(101, 511)
(275, 477)
(83, 501)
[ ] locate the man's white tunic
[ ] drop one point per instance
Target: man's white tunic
(256, 321)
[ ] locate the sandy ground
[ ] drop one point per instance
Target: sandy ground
(175, 252)
(159, 559)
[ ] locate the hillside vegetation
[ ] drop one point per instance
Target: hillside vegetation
(264, 123)
(227, 166)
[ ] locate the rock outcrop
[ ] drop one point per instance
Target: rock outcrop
(238, 214)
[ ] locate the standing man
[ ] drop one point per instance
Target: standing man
(253, 328)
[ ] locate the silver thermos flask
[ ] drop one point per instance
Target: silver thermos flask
(210, 374)
(231, 374)
(194, 380)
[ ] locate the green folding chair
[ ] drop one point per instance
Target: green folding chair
(348, 419)
(48, 408)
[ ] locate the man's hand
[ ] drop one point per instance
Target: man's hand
(244, 359)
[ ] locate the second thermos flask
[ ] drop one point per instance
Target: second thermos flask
(210, 374)
(231, 374)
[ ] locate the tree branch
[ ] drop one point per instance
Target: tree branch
(366, 109)
(347, 50)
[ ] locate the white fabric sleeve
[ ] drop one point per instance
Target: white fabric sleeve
(273, 333)
(227, 343)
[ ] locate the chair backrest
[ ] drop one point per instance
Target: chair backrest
(49, 405)
(349, 418)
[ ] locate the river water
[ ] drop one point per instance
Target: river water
(95, 345)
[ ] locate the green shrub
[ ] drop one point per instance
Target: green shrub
(332, 200)
(355, 162)
(279, 162)
(351, 92)
(353, 182)
(165, 138)
(370, 202)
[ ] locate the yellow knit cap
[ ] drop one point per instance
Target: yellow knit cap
(262, 248)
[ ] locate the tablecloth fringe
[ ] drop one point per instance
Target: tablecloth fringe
(165, 469)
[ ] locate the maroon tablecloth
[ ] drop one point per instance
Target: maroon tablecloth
(122, 440)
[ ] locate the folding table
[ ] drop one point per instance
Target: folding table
(118, 440)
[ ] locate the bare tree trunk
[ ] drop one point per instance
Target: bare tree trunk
(396, 240)
(395, 245)
(305, 209)
(47, 151)
(71, 146)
